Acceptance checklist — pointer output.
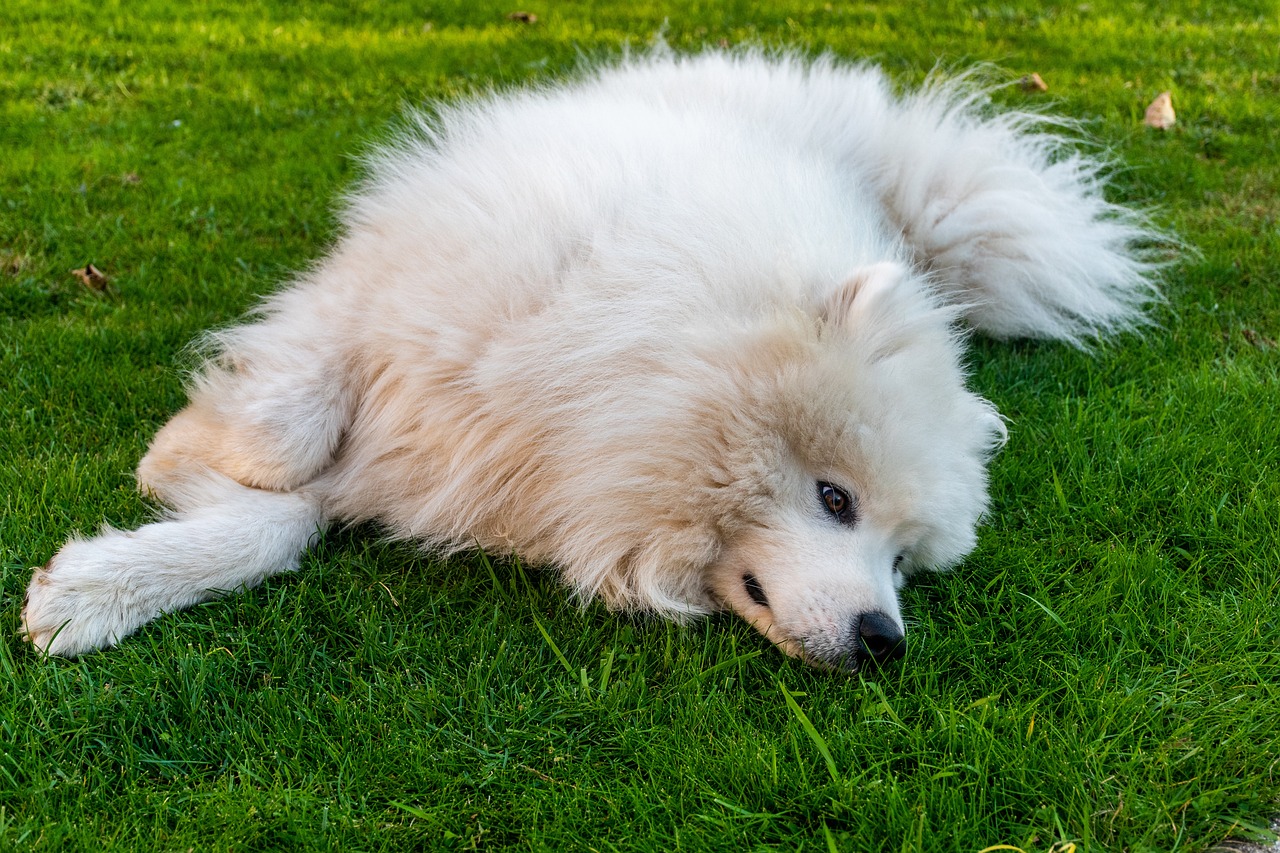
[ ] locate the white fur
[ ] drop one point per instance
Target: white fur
(623, 326)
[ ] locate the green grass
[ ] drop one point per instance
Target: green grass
(1104, 672)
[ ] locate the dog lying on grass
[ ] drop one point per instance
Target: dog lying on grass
(685, 329)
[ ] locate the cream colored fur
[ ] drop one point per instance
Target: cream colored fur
(624, 327)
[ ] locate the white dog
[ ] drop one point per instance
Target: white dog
(684, 329)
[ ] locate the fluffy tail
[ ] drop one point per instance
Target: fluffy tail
(1011, 219)
(1004, 209)
(96, 591)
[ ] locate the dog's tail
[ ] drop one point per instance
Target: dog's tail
(1006, 210)
(1010, 218)
(96, 591)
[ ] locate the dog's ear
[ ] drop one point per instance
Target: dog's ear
(858, 300)
(885, 308)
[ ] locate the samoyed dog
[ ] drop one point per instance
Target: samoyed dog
(689, 330)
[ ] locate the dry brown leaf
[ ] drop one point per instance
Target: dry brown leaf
(1033, 82)
(523, 17)
(91, 277)
(1160, 113)
(1257, 339)
(13, 263)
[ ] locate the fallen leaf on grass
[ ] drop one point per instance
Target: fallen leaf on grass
(13, 263)
(91, 277)
(1258, 339)
(1160, 113)
(1033, 82)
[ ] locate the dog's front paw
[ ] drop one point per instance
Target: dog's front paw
(39, 619)
(77, 603)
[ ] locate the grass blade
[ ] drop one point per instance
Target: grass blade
(1052, 615)
(814, 735)
(564, 661)
(724, 664)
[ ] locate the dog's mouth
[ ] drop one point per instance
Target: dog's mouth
(866, 656)
(872, 641)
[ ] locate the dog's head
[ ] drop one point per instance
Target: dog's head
(793, 462)
(852, 455)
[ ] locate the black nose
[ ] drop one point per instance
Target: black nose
(879, 639)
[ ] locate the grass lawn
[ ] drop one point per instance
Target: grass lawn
(1102, 674)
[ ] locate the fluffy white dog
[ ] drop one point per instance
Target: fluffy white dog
(684, 329)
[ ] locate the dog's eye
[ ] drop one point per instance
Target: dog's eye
(897, 562)
(838, 503)
(755, 590)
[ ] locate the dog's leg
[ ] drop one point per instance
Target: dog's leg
(1010, 220)
(265, 418)
(96, 591)
(268, 411)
